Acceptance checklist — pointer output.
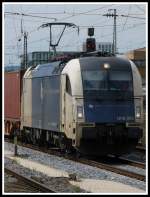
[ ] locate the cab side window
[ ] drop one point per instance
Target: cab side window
(68, 85)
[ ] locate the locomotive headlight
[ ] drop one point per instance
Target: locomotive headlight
(106, 66)
(79, 111)
(138, 112)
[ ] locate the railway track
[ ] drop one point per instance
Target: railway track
(98, 164)
(141, 149)
(113, 169)
(24, 184)
(132, 162)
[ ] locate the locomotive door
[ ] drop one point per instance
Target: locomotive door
(66, 107)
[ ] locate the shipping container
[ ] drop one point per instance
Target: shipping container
(12, 99)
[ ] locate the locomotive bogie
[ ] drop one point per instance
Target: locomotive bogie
(103, 139)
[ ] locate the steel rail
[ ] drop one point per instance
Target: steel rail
(113, 169)
(30, 181)
(141, 148)
(132, 162)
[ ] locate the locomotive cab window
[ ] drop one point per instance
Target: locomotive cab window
(119, 80)
(94, 80)
(68, 85)
(107, 80)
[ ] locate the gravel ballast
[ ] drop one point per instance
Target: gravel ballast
(54, 171)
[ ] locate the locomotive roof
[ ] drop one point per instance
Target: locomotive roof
(95, 62)
(43, 70)
(56, 67)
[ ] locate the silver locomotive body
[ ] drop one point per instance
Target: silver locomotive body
(93, 104)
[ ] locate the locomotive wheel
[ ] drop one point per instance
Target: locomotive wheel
(78, 154)
(67, 151)
(12, 131)
(62, 143)
(34, 141)
(117, 156)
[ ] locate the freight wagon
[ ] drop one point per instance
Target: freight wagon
(12, 100)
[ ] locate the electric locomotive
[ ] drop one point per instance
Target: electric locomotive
(91, 104)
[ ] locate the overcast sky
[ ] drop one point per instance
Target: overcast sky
(131, 30)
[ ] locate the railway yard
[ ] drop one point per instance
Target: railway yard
(75, 118)
(61, 173)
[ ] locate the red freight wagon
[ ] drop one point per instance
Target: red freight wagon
(12, 100)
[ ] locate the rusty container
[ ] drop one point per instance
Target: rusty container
(12, 98)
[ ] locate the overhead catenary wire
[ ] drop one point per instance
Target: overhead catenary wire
(98, 14)
(71, 13)
(81, 13)
(140, 8)
(126, 17)
(134, 26)
(82, 27)
(22, 14)
(142, 18)
(28, 15)
(26, 20)
(32, 15)
(15, 30)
